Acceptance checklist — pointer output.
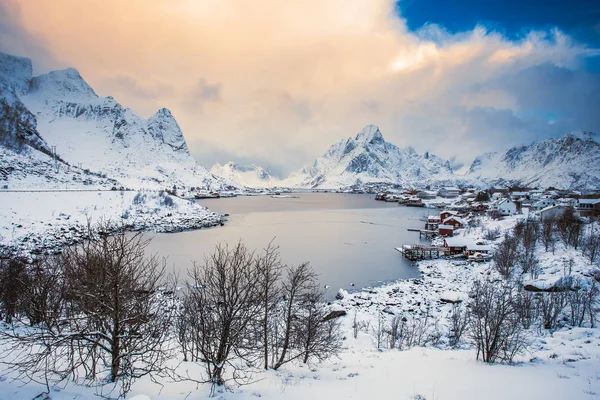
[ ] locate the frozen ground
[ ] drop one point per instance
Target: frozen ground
(33, 221)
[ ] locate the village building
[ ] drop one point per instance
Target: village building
(445, 230)
(426, 194)
(544, 203)
(462, 245)
(449, 192)
(516, 196)
(567, 201)
(448, 213)
(455, 221)
(504, 207)
(553, 212)
(588, 207)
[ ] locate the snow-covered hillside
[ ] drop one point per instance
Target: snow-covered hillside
(96, 133)
(249, 176)
(569, 162)
(368, 158)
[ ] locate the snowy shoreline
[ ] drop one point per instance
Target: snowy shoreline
(45, 221)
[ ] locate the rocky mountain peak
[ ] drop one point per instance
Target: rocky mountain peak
(370, 134)
(65, 85)
(15, 72)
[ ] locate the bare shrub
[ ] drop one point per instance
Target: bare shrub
(551, 306)
(494, 328)
(13, 282)
(106, 317)
(505, 257)
(548, 227)
(492, 234)
(222, 298)
(591, 246)
(525, 308)
(570, 228)
(459, 323)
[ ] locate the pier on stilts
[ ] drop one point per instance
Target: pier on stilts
(427, 233)
(416, 252)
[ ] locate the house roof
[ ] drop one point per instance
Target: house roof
(543, 210)
(459, 241)
(454, 189)
(451, 227)
(449, 212)
(457, 219)
(505, 200)
(589, 201)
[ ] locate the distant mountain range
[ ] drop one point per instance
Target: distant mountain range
(55, 131)
(244, 176)
(568, 162)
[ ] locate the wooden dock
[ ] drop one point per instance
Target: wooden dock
(416, 252)
(427, 233)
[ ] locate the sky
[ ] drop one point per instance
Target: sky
(277, 82)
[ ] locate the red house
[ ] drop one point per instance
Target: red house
(446, 230)
(447, 213)
(455, 221)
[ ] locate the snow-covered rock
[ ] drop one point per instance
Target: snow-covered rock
(368, 158)
(249, 176)
(568, 162)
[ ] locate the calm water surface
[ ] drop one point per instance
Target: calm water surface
(347, 238)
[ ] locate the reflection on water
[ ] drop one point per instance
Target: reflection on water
(348, 239)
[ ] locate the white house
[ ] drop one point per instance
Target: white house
(518, 195)
(449, 192)
(553, 212)
(506, 207)
(567, 201)
(543, 203)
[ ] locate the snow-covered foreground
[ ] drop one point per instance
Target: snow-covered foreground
(34, 221)
(568, 369)
(557, 365)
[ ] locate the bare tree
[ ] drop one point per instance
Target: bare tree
(268, 271)
(551, 306)
(223, 297)
(547, 237)
(13, 282)
(298, 283)
(319, 337)
(459, 322)
(591, 246)
(378, 331)
(528, 238)
(505, 257)
(494, 328)
(107, 315)
(570, 228)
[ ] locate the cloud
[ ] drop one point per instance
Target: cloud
(16, 39)
(281, 81)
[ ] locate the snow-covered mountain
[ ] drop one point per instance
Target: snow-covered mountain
(249, 176)
(96, 133)
(368, 158)
(568, 162)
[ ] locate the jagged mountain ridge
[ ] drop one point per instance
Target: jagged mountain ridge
(368, 158)
(244, 176)
(567, 162)
(99, 134)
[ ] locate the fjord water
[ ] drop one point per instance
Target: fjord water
(347, 238)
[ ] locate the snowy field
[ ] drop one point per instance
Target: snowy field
(47, 220)
(564, 364)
